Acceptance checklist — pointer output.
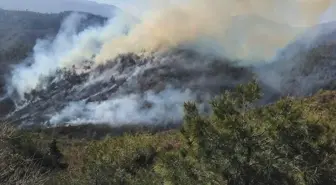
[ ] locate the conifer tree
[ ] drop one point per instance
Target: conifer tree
(240, 144)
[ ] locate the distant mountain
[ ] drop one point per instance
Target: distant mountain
(57, 6)
(19, 31)
(305, 65)
(25, 26)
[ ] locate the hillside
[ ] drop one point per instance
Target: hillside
(19, 31)
(172, 116)
(159, 83)
(147, 86)
(305, 65)
(303, 129)
(23, 28)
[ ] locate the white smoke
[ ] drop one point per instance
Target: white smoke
(243, 30)
(47, 57)
(67, 49)
(251, 31)
(165, 107)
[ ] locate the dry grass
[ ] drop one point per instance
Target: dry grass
(16, 169)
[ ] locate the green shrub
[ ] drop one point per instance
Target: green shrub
(291, 142)
(241, 145)
(123, 160)
(16, 168)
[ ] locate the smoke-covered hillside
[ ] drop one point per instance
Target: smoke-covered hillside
(129, 72)
(306, 65)
(23, 28)
(131, 89)
(19, 31)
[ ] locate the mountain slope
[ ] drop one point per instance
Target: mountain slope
(26, 27)
(151, 87)
(305, 65)
(19, 31)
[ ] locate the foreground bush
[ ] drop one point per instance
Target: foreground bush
(292, 142)
(16, 169)
(238, 145)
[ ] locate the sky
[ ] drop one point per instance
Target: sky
(139, 7)
(56, 6)
(135, 7)
(129, 5)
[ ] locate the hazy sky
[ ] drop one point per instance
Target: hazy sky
(136, 7)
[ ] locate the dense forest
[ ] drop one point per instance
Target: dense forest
(292, 141)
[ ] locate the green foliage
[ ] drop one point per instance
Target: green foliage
(124, 160)
(16, 168)
(291, 142)
(239, 144)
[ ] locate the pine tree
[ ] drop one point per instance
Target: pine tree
(240, 144)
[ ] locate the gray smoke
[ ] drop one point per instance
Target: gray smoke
(163, 107)
(67, 49)
(182, 55)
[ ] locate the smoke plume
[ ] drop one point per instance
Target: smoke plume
(165, 107)
(245, 30)
(231, 30)
(248, 30)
